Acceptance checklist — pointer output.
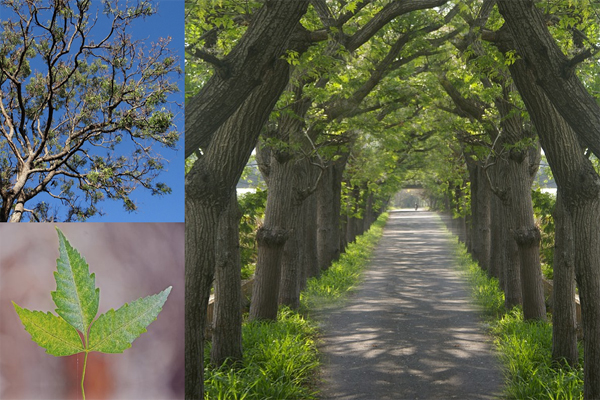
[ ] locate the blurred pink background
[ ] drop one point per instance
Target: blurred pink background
(130, 261)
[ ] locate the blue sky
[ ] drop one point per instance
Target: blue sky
(167, 21)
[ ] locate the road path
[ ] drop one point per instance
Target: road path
(410, 331)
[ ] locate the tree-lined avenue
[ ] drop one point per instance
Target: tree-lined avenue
(410, 330)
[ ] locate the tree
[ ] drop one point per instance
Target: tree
(516, 156)
(238, 72)
(211, 180)
(80, 113)
(566, 117)
(227, 312)
(296, 133)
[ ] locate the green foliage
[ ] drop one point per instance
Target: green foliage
(485, 290)
(80, 103)
(279, 361)
(252, 207)
(525, 348)
(77, 300)
(280, 358)
(76, 296)
(51, 332)
(526, 351)
(189, 162)
(543, 205)
(344, 274)
(114, 331)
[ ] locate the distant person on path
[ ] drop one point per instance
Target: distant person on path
(416, 206)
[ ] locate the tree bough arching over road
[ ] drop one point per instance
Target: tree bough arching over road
(347, 101)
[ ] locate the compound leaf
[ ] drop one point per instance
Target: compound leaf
(50, 332)
(114, 331)
(76, 296)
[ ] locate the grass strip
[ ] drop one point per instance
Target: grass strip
(525, 348)
(344, 274)
(281, 358)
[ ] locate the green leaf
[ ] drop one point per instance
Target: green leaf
(114, 331)
(76, 296)
(50, 332)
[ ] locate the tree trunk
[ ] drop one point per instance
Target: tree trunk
(271, 239)
(497, 253)
(289, 289)
(484, 195)
(586, 223)
(209, 185)
(328, 230)
(520, 163)
(564, 320)
(199, 260)
(291, 177)
(513, 294)
(552, 70)
(521, 225)
(243, 70)
(310, 256)
(579, 186)
(227, 315)
(480, 213)
(527, 236)
(369, 213)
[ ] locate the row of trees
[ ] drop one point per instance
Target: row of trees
(345, 100)
(502, 160)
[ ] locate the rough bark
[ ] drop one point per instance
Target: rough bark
(388, 13)
(227, 314)
(271, 238)
(353, 212)
(579, 186)
(527, 237)
(480, 212)
(497, 255)
(369, 213)
(513, 295)
(552, 70)
(241, 71)
(291, 266)
(199, 267)
(520, 163)
(291, 177)
(328, 241)
(484, 194)
(564, 320)
(310, 256)
(209, 185)
(329, 192)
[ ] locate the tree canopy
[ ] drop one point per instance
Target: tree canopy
(84, 106)
(367, 96)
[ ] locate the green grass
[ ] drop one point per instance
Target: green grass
(525, 348)
(344, 274)
(281, 358)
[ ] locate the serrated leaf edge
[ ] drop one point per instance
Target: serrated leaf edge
(129, 321)
(63, 241)
(61, 339)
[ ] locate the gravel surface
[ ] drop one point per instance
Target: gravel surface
(410, 330)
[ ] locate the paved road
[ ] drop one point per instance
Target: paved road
(410, 330)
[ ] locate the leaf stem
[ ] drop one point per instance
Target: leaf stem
(83, 374)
